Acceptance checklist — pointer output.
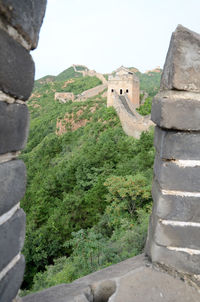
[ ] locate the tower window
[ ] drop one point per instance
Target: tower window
(126, 90)
(112, 90)
(121, 91)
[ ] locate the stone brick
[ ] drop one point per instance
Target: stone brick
(26, 17)
(177, 144)
(174, 235)
(14, 124)
(11, 283)
(175, 207)
(171, 176)
(17, 68)
(182, 66)
(178, 260)
(12, 184)
(176, 110)
(12, 235)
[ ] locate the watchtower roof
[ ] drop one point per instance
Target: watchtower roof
(123, 71)
(123, 74)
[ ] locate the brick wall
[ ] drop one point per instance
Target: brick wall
(174, 229)
(20, 22)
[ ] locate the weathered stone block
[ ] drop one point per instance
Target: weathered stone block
(179, 260)
(14, 125)
(173, 175)
(182, 66)
(175, 207)
(11, 283)
(26, 17)
(12, 234)
(17, 67)
(176, 235)
(176, 110)
(12, 184)
(177, 144)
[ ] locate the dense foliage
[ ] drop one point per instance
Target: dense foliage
(149, 82)
(88, 194)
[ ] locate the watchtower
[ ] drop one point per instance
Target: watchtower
(124, 82)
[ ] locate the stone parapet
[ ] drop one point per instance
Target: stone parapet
(182, 65)
(131, 280)
(26, 18)
(174, 228)
(20, 23)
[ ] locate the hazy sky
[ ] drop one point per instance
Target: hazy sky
(105, 34)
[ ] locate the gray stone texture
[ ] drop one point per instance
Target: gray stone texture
(14, 125)
(176, 110)
(172, 144)
(182, 66)
(12, 184)
(149, 285)
(174, 235)
(17, 67)
(177, 260)
(12, 234)
(175, 207)
(68, 292)
(26, 17)
(133, 280)
(171, 176)
(11, 283)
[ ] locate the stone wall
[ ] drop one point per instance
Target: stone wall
(90, 93)
(174, 229)
(64, 97)
(20, 23)
(90, 73)
(132, 122)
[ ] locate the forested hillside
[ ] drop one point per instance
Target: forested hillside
(89, 185)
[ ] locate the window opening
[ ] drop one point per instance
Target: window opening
(126, 90)
(120, 91)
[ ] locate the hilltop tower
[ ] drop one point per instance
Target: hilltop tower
(124, 82)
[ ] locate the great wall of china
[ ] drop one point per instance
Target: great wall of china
(132, 122)
(172, 271)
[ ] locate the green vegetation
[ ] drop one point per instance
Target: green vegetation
(80, 67)
(39, 83)
(67, 74)
(145, 109)
(149, 82)
(89, 187)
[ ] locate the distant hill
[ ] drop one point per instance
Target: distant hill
(67, 74)
(44, 80)
(149, 81)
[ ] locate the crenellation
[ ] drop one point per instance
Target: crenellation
(174, 227)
